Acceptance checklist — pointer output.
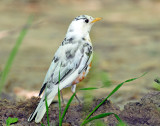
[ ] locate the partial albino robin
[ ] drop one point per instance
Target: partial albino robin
(72, 60)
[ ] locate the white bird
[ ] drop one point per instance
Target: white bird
(73, 61)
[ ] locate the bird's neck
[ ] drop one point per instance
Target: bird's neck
(78, 33)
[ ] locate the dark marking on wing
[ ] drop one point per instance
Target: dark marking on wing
(42, 89)
(55, 59)
(63, 41)
(88, 53)
(64, 76)
(69, 55)
(84, 66)
(31, 116)
(71, 30)
(68, 40)
(52, 77)
(82, 50)
(79, 62)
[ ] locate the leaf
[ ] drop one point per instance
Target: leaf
(11, 120)
(113, 91)
(96, 117)
(90, 88)
(13, 54)
(47, 110)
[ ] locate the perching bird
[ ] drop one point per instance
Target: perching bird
(73, 61)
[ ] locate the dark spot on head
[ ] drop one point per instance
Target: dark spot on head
(80, 17)
(83, 39)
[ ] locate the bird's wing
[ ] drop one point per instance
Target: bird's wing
(51, 69)
(67, 59)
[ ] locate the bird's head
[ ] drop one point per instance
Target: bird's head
(82, 24)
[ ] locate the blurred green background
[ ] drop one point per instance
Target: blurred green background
(126, 44)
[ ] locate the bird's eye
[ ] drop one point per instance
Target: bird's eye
(86, 20)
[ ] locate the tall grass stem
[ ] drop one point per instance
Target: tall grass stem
(13, 53)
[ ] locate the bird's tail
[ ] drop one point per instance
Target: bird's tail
(41, 108)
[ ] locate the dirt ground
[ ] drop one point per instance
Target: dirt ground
(126, 44)
(142, 113)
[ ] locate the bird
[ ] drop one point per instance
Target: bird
(70, 65)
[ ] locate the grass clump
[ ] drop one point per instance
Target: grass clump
(86, 120)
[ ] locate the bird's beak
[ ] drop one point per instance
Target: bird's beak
(96, 19)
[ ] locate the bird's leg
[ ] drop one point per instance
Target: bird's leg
(73, 89)
(77, 99)
(62, 97)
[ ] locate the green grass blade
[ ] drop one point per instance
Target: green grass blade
(96, 117)
(67, 106)
(42, 124)
(115, 89)
(102, 116)
(13, 54)
(129, 80)
(11, 120)
(121, 124)
(90, 88)
(47, 110)
(59, 101)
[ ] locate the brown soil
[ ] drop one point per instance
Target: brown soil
(145, 112)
